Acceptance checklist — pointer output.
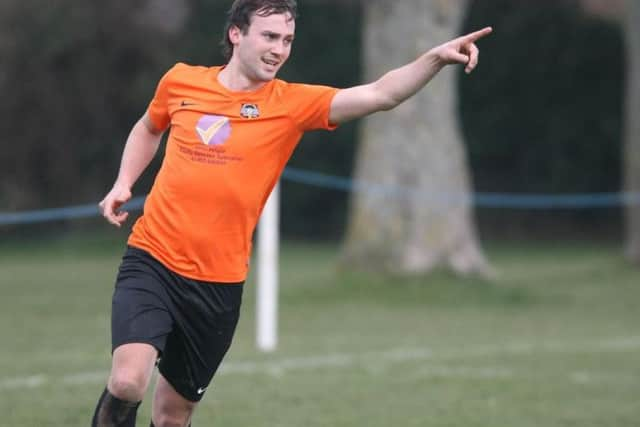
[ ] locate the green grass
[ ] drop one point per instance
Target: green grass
(554, 340)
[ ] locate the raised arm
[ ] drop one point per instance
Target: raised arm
(142, 144)
(397, 85)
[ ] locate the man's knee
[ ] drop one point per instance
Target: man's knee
(168, 412)
(127, 385)
(131, 371)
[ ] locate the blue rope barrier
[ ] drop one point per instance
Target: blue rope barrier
(482, 200)
(56, 214)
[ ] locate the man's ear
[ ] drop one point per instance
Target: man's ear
(234, 34)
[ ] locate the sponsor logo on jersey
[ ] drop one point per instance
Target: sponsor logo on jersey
(213, 130)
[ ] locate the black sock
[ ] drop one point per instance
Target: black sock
(114, 412)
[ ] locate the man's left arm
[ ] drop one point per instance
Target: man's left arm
(399, 84)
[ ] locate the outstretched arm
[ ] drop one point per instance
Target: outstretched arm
(397, 85)
(142, 144)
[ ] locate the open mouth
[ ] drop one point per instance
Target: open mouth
(270, 62)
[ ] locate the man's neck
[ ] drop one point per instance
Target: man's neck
(232, 78)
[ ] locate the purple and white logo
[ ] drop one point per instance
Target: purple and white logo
(213, 130)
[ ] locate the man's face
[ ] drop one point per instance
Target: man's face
(265, 47)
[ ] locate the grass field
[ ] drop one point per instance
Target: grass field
(553, 341)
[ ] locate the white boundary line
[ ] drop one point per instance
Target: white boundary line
(376, 361)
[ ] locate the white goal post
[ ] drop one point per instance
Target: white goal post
(267, 274)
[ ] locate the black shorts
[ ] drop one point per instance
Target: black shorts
(190, 322)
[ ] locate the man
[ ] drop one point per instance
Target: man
(233, 128)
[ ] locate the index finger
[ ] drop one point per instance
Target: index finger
(472, 37)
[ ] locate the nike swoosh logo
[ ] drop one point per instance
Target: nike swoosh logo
(207, 134)
(201, 390)
(186, 104)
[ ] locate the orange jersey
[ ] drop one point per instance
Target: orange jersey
(224, 154)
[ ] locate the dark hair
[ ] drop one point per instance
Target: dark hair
(242, 11)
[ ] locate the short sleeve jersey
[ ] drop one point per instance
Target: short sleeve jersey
(224, 154)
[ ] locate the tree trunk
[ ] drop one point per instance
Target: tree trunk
(421, 217)
(632, 132)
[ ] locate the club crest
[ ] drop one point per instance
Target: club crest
(249, 111)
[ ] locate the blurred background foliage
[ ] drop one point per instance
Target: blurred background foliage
(541, 114)
(544, 112)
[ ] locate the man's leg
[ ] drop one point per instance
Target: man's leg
(169, 408)
(131, 370)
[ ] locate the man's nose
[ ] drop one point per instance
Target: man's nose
(278, 48)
